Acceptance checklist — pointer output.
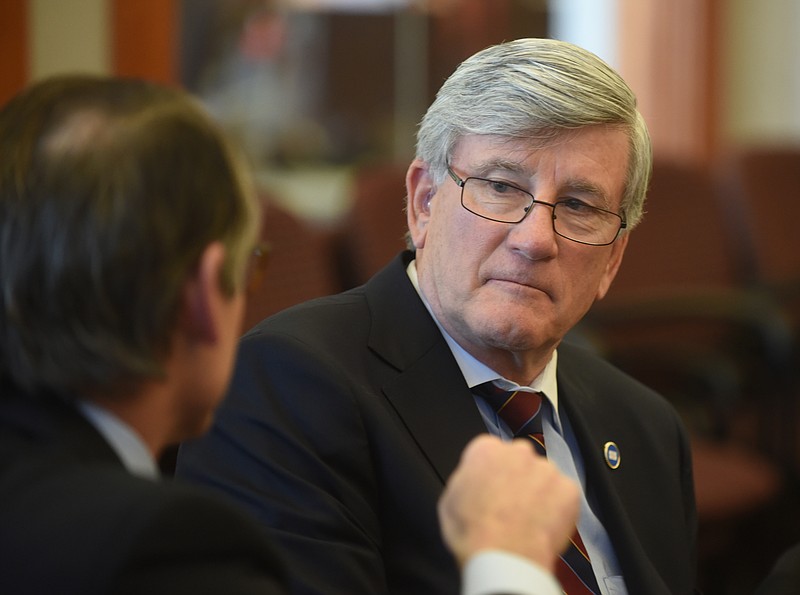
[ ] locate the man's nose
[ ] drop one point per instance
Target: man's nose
(535, 235)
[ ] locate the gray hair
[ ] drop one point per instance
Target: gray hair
(536, 89)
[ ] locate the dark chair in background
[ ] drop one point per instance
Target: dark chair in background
(762, 185)
(765, 181)
(374, 230)
(678, 319)
(677, 309)
(303, 264)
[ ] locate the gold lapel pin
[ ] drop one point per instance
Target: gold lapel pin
(611, 453)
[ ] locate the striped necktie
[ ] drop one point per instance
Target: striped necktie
(520, 411)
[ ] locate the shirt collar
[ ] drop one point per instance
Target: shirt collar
(125, 442)
(476, 372)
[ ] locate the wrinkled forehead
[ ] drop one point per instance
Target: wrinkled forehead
(590, 161)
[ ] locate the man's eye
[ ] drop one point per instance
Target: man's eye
(500, 187)
(573, 204)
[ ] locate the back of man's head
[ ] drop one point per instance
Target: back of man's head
(110, 189)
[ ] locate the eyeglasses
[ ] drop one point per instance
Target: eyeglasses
(573, 219)
(257, 267)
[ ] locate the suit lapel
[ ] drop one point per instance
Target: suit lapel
(437, 408)
(429, 386)
(582, 401)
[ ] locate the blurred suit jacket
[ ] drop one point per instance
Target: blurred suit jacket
(347, 415)
(73, 520)
(784, 579)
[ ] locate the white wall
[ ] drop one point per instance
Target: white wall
(591, 24)
(761, 76)
(68, 36)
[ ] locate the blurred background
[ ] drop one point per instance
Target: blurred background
(325, 96)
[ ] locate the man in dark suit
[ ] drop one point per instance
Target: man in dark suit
(347, 414)
(126, 225)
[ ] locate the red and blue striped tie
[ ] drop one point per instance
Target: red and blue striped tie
(520, 411)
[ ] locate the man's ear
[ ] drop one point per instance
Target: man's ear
(203, 296)
(419, 186)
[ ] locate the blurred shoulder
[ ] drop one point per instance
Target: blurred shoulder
(89, 528)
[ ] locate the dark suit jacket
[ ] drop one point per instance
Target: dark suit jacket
(784, 579)
(347, 414)
(74, 521)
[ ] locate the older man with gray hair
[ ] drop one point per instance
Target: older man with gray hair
(347, 414)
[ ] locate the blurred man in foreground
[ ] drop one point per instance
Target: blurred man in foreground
(531, 169)
(127, 224)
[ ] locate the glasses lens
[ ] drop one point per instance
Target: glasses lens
(572, 219)
(495, 200)
(578, 221)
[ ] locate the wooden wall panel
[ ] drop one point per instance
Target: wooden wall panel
(145, 37)
(669, 54)
(14, 57)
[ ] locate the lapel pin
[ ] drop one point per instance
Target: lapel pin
(611, 453)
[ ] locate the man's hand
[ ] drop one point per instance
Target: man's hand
(505, 496)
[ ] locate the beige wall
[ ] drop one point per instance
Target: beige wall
(761, 76)
(68, 35)
(666, 57)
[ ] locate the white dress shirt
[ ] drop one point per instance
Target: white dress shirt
(123, 439)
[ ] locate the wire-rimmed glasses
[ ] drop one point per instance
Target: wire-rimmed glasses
(573, 219)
